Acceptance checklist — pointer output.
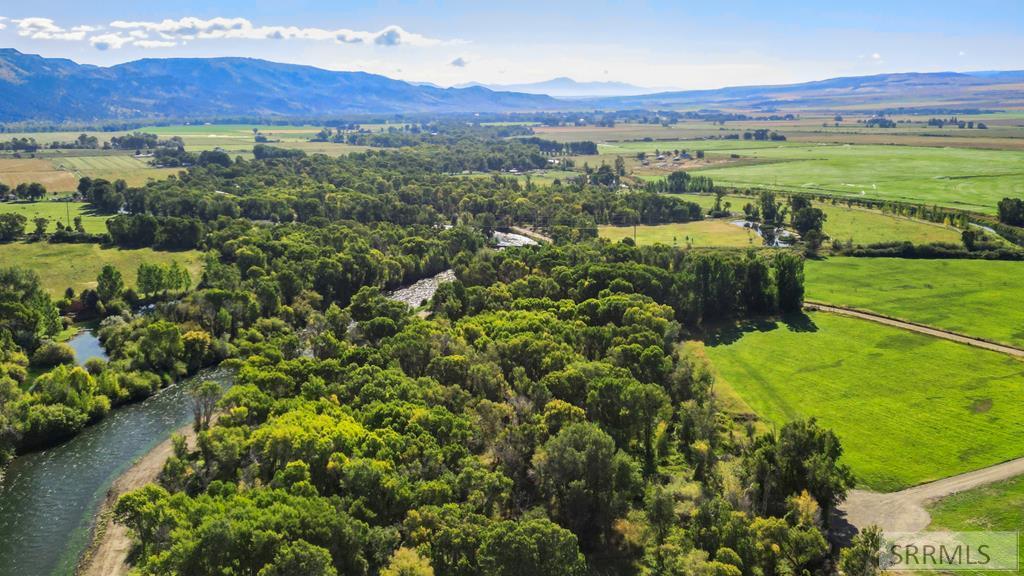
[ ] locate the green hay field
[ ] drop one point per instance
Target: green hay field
(77, 265)
(908, 408)
(702, 234)
(93, 223)
(975, 297)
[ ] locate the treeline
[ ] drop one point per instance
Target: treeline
(581, 148)
(680, 182)
(540, 422)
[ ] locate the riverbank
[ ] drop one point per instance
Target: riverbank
(111, 543)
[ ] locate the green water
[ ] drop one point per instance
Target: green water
(48, 499)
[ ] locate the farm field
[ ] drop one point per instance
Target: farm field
(14, 171)
(882, 390)
(700, 234)
(76, 265)
(964, 178)
(93, 223)
(975, 297)
(844, 223)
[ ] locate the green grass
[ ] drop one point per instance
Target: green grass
(907, 407)
(93, 223)
(959, 177)
(77, 265)
(976, 297)
(705, 233)
(996, 507)
(845, 223)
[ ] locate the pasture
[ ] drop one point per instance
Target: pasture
(844, 223)
(57, 211)
(963, 178)
(77, 265)
(908, 408)
(975, 297)
(14, 171)
(700, 234)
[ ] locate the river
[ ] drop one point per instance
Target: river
(48, 500)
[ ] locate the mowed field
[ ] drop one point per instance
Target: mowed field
(845, 223)
(14, 171)
(958, 177)
(975, 297)
(908, 408)
(77, 265)
(56, 211)
(701, 234)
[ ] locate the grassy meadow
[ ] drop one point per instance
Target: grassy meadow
(77, 265)
(57, 211)
(976, 297)
(701, 234)
(908, 408)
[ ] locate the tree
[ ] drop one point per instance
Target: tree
(41, 224)
(300, 558)
(205, 394)
(862, 558)
(789, 281)
(12, 226)
(807, 219)
(586, 481)
(1011, 211)
(536, 547)
(109, 283)
(406, 562)
(150, 278)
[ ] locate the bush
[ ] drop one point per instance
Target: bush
(51, 354)
(50, 424)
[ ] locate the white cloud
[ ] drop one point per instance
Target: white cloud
(170, 32)
(962, 53)
(154, 43)
(876, 56)
(459, 62)
(2, 25)
(108, 41)
(47, 29)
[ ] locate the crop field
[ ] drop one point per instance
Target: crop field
(14, 171)
(974, 297)
(56, 211)
(701, 234)
(76, 265)
(971, 179)
(845, 223)
(908, 408)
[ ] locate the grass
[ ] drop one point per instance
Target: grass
(844, 223)
(93, 223)
(14, 171)
(704, 233)
(77, 265)
(975, 297)
(908, 408)
(958, 177)
(996, 507)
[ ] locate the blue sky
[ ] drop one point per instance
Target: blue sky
(654, 44)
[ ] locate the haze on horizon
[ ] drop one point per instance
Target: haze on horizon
(651, 44)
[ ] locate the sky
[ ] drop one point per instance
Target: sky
(683, 45)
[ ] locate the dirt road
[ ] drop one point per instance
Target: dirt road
(920, 328)
(111, 542)
(904, 511)
(533, 234)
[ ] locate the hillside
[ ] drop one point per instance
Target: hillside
(37, 88)
(1004, 89)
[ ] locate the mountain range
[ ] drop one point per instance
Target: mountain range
(34, 88)
(563, 87)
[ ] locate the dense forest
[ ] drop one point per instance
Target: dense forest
(539, 415)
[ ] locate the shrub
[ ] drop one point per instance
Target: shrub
(51, 354)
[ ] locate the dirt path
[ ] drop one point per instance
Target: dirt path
(920, 328)
(111, 543)
(531, 234)
(904, 511)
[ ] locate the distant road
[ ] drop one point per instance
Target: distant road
(920, 328)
